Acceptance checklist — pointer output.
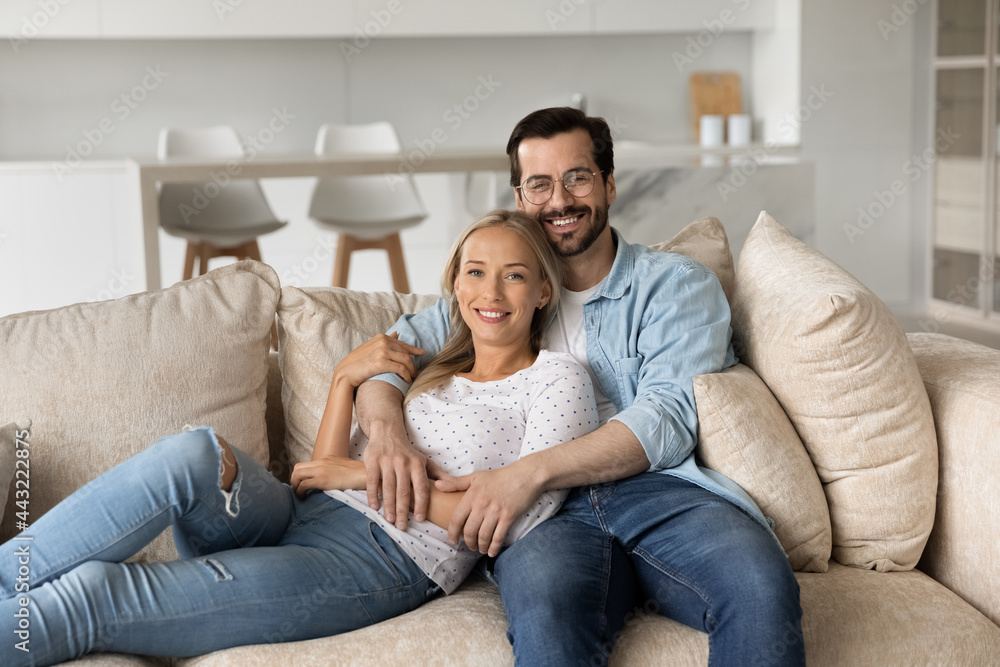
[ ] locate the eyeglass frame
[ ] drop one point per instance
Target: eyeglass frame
(562, 181)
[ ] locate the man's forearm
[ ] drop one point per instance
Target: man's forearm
(378, 406)
(611, 452)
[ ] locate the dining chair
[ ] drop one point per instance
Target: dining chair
(218, 218)
(367, 212)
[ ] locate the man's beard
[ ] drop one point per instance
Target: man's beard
(571, 245)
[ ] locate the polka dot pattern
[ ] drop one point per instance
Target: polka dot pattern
(467, 426)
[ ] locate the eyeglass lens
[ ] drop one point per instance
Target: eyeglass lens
(578, 182)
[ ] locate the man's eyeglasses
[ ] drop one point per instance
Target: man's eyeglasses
(538, 189)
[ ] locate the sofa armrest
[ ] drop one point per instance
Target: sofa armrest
(963, 383)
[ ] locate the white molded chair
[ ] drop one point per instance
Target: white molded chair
(220, 218)
(367, 211)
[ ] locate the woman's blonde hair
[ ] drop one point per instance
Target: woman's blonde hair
(458, 354)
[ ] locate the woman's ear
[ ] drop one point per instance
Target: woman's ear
(546, 295)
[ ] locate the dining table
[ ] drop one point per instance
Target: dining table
(145, 174)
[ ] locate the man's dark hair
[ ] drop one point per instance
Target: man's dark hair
(547, 123)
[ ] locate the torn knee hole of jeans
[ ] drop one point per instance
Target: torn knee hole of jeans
(232, 499)
(217, 569)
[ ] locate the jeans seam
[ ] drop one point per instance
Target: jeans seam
(676, 576)
(384, 556)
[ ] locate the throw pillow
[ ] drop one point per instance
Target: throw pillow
(705, 241)
(102, 381)
(835, 358)
(317, 327)
(744, 434)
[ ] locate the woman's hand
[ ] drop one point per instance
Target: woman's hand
(381, 354)
(330, 473)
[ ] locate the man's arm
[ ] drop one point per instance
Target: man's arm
(390, 461)
(495, 497)
(680, 337)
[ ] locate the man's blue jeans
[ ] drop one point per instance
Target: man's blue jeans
(257, 565)
(658, 543)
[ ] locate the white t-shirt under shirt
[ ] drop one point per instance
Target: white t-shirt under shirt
(568, 334)
(465, 426)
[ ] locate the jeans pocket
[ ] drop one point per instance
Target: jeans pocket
(382, 545)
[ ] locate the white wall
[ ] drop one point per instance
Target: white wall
(52, 93)
(863, 82)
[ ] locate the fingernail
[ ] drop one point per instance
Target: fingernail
(418, 517)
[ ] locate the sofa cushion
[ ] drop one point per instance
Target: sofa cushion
(102, 381)
(317, 327)
(835, 358)
(862, 617)
(744, 434)
(705, 241)
(963, 382)
(919, 622)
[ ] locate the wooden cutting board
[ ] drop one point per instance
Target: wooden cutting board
(714, 93)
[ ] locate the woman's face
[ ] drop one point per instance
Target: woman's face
(498, 286)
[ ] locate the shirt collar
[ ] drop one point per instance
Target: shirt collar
(619, 278)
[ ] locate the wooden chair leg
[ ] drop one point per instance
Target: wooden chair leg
(253, 250)
(189, 255)
(397, 266)
(342, 263)
(204, 254)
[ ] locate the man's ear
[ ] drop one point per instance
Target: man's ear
(517, 199)
(609, 188)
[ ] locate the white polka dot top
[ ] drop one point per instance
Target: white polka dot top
(465, 426)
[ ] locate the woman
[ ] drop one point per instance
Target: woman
(266, 562)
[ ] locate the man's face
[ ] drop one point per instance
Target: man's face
(572, 223)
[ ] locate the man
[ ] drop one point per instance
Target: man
(644, 525)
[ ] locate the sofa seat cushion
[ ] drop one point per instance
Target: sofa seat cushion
(837, 361)
(102, 381)
(850, 617)
(853, 616)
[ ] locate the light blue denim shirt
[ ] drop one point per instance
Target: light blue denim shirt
(656, 321)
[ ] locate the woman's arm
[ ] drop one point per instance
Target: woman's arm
(344, 474)
(327, 469)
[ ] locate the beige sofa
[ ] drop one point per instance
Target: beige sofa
(877, 455)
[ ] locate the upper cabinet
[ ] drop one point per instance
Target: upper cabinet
(455, 18)
(181, 19)
(24, 20)
(711, 16)
(371, 19)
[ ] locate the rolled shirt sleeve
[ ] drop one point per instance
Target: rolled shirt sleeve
(684, 331)
(427, 330)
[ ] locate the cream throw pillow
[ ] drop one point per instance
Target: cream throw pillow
(705, 241)
(317, 327)
(835, 358)
(744, 434)
(102, 381)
